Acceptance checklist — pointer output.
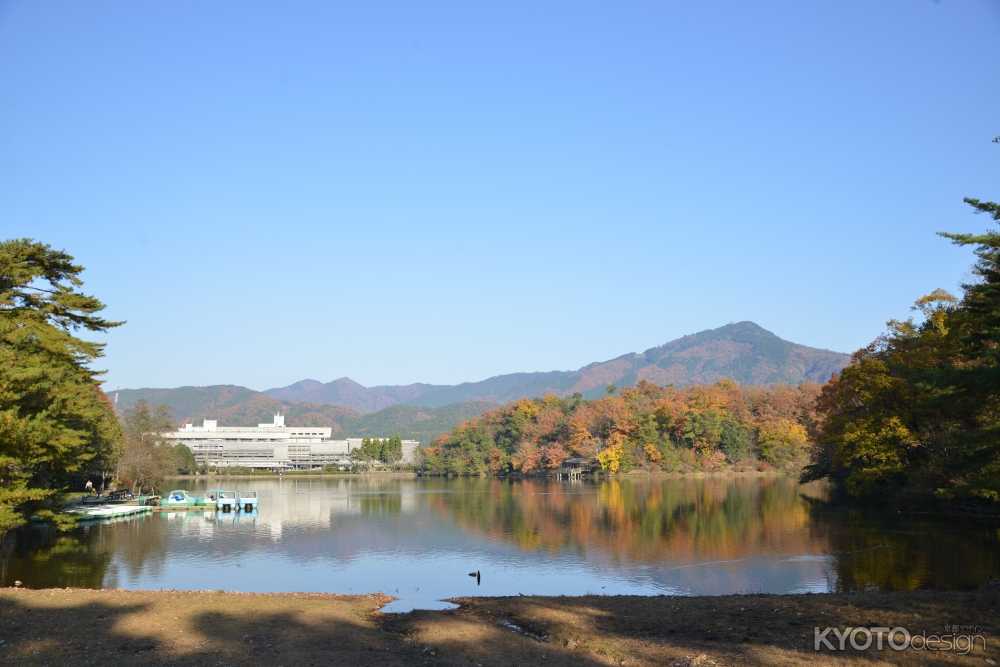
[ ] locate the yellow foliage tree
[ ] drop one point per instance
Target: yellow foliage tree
(783, 443)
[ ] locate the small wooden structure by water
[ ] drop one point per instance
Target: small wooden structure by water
(573, 469)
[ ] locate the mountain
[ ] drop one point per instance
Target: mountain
(233, 406)
(744, 351)
(423, 424)
(239, 406)
(345, 391)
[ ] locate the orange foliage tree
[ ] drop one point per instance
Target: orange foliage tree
(644, 427)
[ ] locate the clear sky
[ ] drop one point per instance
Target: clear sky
(444, 191)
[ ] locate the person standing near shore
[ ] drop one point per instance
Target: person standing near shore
(89, 487)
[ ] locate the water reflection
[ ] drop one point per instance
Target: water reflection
(683, 520)
(418, 539)
(889, 553)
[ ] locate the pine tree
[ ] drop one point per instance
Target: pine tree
(55, 423)
(916, 416)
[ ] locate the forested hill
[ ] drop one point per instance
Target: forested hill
(239, 406)
(744, 352)
(232, 405)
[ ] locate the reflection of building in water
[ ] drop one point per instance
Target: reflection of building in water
(272, 446)
(310, 504)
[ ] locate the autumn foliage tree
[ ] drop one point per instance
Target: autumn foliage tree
(642, 427)
(916, 415)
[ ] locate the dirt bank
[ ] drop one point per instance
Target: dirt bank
(110, 627)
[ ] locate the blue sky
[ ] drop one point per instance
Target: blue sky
(441, 192)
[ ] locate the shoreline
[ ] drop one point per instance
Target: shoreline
(385, 474)
(85, 626)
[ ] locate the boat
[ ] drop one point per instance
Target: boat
(181, 498)
(248, 500)
(226, 501)
(97, 512)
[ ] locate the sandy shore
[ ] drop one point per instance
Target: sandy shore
(113, 627)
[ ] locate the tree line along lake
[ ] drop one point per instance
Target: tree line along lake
(419, 539)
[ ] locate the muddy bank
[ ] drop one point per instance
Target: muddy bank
(90, 627)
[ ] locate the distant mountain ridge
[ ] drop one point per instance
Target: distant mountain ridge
(233, 405)
(345, 391)
(743, 351)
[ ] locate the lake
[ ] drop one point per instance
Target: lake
(419, 539)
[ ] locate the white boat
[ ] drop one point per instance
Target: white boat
(95, 512)
(226, 501)
(248, 500)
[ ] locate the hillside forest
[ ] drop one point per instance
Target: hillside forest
(646, 427)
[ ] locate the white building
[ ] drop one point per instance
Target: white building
(273, 446)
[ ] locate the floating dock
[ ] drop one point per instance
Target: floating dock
(97, 512)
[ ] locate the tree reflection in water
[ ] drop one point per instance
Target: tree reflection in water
(765, 534)
(684, 519)
(87, 557)
(689, 520)
(879, 551)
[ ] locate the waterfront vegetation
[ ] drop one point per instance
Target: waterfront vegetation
(379, 451)
(56, 426)
(915, 418)
(147, 458)
(646, 427)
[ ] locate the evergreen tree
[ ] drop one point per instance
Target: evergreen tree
(916, 415)
(55, 423)
(392, 450)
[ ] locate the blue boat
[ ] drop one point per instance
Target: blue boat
(181, 498)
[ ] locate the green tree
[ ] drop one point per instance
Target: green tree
(703, 430)
(56, 425)
(392, 450)
(184, 462)
(975, 374)
(369, 453)
(916, 416)
(735, 440)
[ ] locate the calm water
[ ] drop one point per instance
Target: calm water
(419, 539)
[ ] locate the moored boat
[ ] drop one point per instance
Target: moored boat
(226, 501)
(247, 500)
(181, 498)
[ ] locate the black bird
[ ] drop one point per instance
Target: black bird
(477, 576)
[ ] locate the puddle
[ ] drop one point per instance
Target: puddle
(403, 606)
